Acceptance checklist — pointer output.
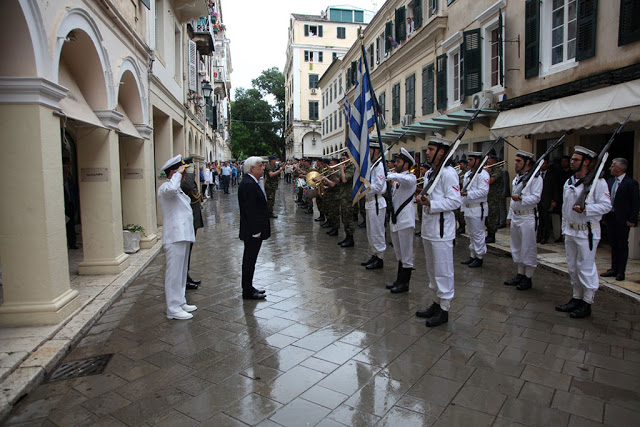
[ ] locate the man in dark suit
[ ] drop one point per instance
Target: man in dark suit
(190, 188)
(549, 200)
(625, 201)
(254, 223)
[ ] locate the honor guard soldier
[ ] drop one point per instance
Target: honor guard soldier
(403, 219)
(271, 180)
(190, 188)
(439, 231)
(462, 169)
(376, 207)
(496, 187)
(322, 169)
(475, 209)
(522, 217)
(331, 198)
(346, 201)
(581, 229)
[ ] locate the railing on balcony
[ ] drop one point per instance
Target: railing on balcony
(206, 24)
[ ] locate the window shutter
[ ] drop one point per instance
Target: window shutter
(193, 70)
(319, 56)
(586, 34)
(382, 112)
(319, 30)
(427, 90)
(441, 81)
(388, 31)
(377, 50)
(401, 24)
(371, 56)
(629, 30)
(417, 14)
(306, 56)
(472, 62)
(306, 30)
(395, 114)
(354, 72)
(410, 95)
(500, 50)
(531, 38)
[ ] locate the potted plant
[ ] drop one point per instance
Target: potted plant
(131, 234)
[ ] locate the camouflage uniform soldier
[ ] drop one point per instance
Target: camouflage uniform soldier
(322, 168)
(459, 216)
(271, 179)
(331, 203)
(363, 213)
(495, 194)
(346, 202)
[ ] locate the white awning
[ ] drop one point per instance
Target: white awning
(601, 107)
(74, 106)
(126, 127)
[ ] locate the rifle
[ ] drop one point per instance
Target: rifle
(435, 177)
(595, 173)
(535, 170)
(485, 157)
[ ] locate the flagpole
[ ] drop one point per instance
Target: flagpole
(375, 103)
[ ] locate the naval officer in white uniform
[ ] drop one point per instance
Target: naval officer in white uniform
(177, 235)
(376, 207)
(475, 209)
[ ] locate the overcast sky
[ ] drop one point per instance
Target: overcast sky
(258, 32)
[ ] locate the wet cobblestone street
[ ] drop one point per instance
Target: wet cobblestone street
(331, 346)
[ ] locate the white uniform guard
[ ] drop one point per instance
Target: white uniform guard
(476, 209)
(376, 207)
(177, 234)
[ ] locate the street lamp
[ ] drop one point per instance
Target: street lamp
(206, 90)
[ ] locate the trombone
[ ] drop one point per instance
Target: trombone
(336, 152)
(495, 165)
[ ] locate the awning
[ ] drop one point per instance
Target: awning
(74, 106)
(127, 127)
(600, 107)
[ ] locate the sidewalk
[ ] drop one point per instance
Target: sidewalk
(27, 354)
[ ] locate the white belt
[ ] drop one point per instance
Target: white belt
(474, 205)
(584, 227)
(529, 212)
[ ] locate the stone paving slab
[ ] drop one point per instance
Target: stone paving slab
(330, 346)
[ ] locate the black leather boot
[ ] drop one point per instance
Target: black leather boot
(524, 284)
(438, 319)
(348, 241)
(363, 224)
(476, 263)
(320, 218)
(369, 261)
(460, 230)
(515, 281)
(584, 310)
(491, 238)
(394, 284)
(429, 312)
(326, 225)
(403, 286)
(570, 306)
(468, 261)
(332, 232)
(378, 263)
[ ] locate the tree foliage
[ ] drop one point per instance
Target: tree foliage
(257, 125)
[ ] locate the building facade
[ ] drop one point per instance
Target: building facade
(334, 125)
(314, 42)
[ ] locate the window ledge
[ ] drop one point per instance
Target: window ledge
(558, 68)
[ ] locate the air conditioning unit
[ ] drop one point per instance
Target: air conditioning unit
(406, 120)
(314, 91)
(484, 100)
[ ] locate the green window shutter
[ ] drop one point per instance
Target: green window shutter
(395, 107)
(472, 55)
(427, 90)
(319, 56)
(500, 50)
(382, 112)
(388, 31)
(306, 56)
(354, 72)
(306, 30)
(342, 33)
(313, 81)
(629, 30)
(377, 50)
(401, 24)
(371, 56)
(587, 22)
(319, 30)
(531, 38)
(417, 14)
(410, 95)
(441, 81)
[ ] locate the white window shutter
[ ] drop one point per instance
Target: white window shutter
(193, 68)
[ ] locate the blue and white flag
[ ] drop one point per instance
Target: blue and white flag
(361, 120)
(346, 109)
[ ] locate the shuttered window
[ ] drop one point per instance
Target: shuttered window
(319, 56)
(472, 53)
(400, 21)
(417, 14)
(395, 104)
(629, 29)
(410, 95)
(427, 90)
(532, 39)
(587, 22)
(313, 81)
(388, 32)
(441, 82)
(193, 66)
(313, 110)
(342, 33)
(382, 112)
(371, 56)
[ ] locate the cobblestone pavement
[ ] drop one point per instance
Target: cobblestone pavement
(331, 346)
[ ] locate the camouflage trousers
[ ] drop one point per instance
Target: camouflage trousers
(494, 215)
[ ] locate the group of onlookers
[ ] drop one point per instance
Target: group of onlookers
(214, 176)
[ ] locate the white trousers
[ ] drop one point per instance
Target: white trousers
(175, 277)
(477, 247)
(403, 245)
(524, 249)
(581, 263)
(375, 231)
(439, 257)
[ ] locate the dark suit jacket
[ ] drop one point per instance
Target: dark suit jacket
(550, 189)
(627, 200)
(190, 188)
(254, 213)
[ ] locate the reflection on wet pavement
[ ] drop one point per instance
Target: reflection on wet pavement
(330, 346)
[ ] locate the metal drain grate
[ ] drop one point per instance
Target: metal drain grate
(80, 368)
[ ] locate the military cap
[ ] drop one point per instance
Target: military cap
(474, 154)
(525, 154)
(406, 156)
(434, 140)
(585, 151)
(174, 163)
(272, 157)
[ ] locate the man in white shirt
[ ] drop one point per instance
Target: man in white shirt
(225, 175)
(475, 209)
(177, 236)
(522, 218)
(376, 207)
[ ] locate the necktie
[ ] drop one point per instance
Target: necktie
(614, 188)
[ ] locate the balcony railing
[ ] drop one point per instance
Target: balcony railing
(203, 25)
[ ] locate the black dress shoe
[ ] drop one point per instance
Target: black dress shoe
(441, 317)
(309, 211)
(429, 312)
(400, 288)
(524, 284)
(378, 263)
(544, 241)
(332, 232)
(460, 230)
(260, 291)
(609, 273)
(395, 283)
(584, 310)
(363, 224)
(620, 277)
(326, 225)
(348, 242)
(467, 261)
(273, 215)
(570, 306)
(255, 295)
(515, 281)
(369, 261)
(491, 238)
(192, 286)
(320, 218)
(476, 263)
(342, 241)
(195, 282)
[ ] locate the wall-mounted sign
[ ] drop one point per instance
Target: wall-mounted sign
(132, 174)
(94, 174)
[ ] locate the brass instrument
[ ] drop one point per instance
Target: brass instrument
(313, 183)
(495, 165)
(336, 152)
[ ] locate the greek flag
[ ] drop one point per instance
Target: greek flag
(346, 109)
(360, 121)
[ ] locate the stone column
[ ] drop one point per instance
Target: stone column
(33, 243)
(163, 149)
(100, 198)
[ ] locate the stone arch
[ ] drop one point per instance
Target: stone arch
(78, 39)
(131, 92)
(24, 51)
